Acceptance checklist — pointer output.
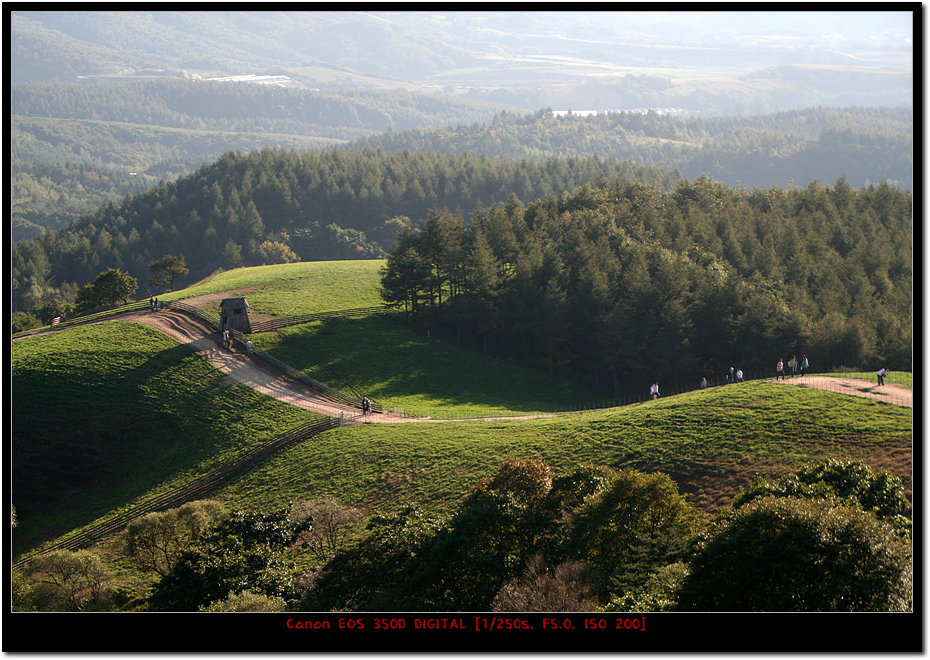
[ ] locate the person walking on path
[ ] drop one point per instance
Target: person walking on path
(793, 366)
(780, 370)
(804, 364)
(881, 373)
(151, 304)
(366, 406)
(248, 346)
(654, 391)
(226, 338)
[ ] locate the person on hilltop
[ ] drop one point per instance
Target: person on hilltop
(739, 375)
(654, 391)
(881, 373)
(780, 370)
(703, 383)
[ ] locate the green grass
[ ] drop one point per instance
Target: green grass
(382, 358)
(299, 288)
(105, 413)
(719, 431)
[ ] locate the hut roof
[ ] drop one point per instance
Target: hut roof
(234, 303)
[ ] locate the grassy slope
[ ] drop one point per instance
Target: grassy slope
(299, 288)
(382, 358)
(727, 433)
(105, 413)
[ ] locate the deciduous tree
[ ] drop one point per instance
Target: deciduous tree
(167, 269)
(632, 526)
(243, 552)
(788, 554)
(110, 289)
(69, 581)
(156, 540)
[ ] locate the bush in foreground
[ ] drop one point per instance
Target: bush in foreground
(787, 554)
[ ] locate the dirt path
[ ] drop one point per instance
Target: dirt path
(255, 373)
(900, 396)
(250, 371)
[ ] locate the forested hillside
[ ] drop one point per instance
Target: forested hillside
(218, 106)
(271, 206)
(128, 92)
(624, 285)
(865, 145)
(163, 129)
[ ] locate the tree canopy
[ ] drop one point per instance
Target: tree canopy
(167, 269)
(621, 278)
(110, 289)
(788, 554)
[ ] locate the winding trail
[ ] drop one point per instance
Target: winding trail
(710, 491)
(257, 374)
(250, 371)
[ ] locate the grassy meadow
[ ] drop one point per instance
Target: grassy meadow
(727, 434)
(297, 289)
(410, 372)
(106, 413)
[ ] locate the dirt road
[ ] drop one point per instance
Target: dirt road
(255, 373)
(258, 375)
(900, 396)
(710, 491)
(250, 371)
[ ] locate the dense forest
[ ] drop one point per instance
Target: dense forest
(622, 284)
(161, 130)
(864, 145)
(244, 209)
(230, 107)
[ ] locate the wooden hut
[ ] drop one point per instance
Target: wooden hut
(234, 315)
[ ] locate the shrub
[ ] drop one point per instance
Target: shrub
(566, 589)
(156, 540)
(786, 554)
(246, 601)
(637, 523)
(658, 594)
(65, 581)
(245, 551)
(852, 481)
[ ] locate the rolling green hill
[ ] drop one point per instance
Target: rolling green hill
(713, 442)
(298, 288)
(107, 413)
(110, 415)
